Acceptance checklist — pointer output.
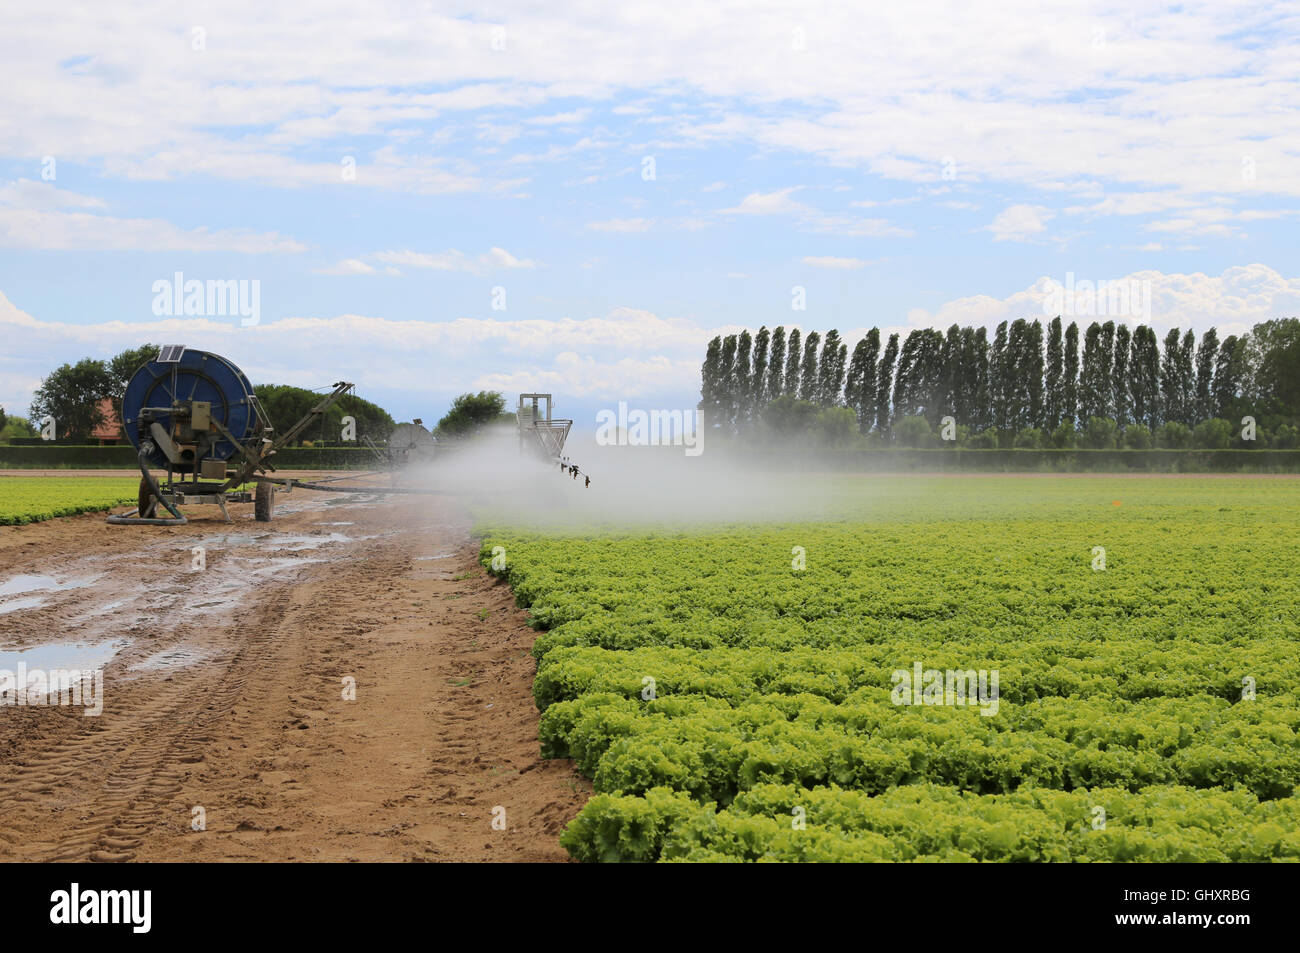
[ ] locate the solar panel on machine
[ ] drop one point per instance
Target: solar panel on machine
(171, 353)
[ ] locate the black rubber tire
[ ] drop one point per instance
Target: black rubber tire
(148, 503)
(264, 502)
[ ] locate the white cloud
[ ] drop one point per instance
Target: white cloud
(625, 353)
(769, 203)
(1232, 301)
(455, 260)
(1019, 223)
(622, 225)
(39, 216)
(348, 266)
(125, 88)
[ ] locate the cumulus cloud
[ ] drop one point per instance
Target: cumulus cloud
(769, 203)
(348, 266)
(39, 216)
(1233, 301)
(455, 260)
(1019, 223)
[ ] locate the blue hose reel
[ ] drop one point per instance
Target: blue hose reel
(185, 391)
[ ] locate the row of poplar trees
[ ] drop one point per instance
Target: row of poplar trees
(1027, 377)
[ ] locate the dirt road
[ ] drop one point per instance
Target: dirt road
(224, 691)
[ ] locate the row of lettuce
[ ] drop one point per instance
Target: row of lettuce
(730, 706)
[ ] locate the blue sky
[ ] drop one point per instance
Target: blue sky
(627, 181)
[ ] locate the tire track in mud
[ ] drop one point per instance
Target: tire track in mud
(135, 764)
(250, 723)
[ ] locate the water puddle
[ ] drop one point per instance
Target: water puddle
(40, 585)
(61, 655)
(439, 556)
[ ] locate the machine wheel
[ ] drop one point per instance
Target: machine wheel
(264, 502)
(148, 502)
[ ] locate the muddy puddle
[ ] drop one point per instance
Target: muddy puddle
(61, 656)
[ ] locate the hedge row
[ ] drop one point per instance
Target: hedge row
(958, 458)
(57, 456)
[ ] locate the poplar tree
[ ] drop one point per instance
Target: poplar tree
(1054, 399)
(744, 381)
(793, 355)
(885, 385)
(808, 373)
(1070, 378)
(775, 365)
(758, 383)
(1119, 379)
(1171, 390)
(1205, 356)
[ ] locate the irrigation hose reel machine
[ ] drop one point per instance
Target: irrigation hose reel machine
(194, 415)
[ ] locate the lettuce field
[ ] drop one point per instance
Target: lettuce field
(984, 668)
(31, 499)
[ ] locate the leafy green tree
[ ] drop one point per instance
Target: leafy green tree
(830, 381)
(1065, 437)
(1205, 357)
(1029, 439)
(1031, 366)
(860, 387)
(790, 417)
(1174, 435)
(71, 395)
(758, 381)
(1119, 377)
(1144, 377)
(4, 419)
(1099, 434)
(1137, 437)
(17, 427)
(808, 372)
(1212, 434)
(727, 384)
(793, 355)
(834, 427)
(999, 379)
(984, 440)
(1273, 355)
(1287, 437)
(1094, 377)
(470, 414)
(1171, 388)
(775, 366)
(711, 383)
(1229, 376)
(1187, 377)
(982, 415)
(286, 405)
(885, 385)
(913, 431)
(744, 381)
(1070, 379)
(1054, 399)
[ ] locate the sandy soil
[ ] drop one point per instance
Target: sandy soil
(226, 691)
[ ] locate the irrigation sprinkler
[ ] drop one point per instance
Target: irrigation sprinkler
(195, 416)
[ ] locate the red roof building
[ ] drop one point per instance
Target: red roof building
(110, 429)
